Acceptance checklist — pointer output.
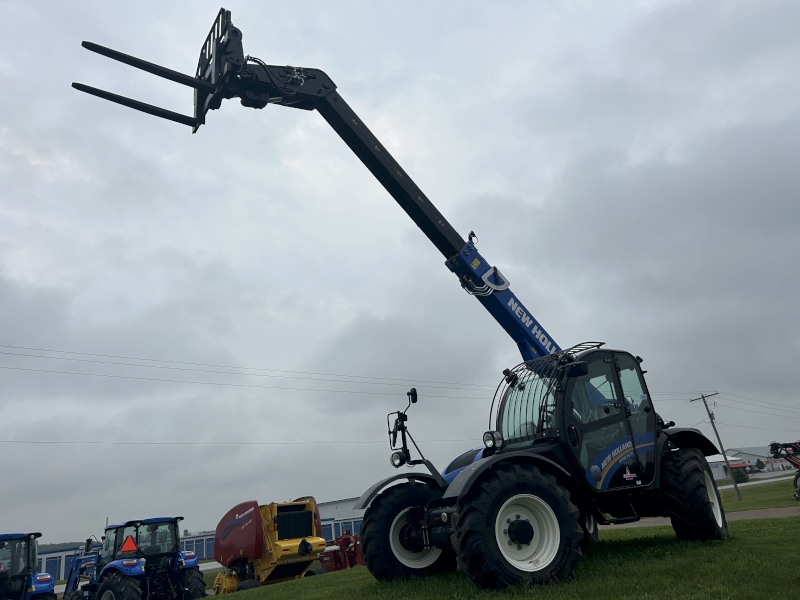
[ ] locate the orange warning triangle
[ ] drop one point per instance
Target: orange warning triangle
(128, 545)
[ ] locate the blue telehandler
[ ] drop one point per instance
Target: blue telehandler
(138, 560)
(18, 565)
(574, 440)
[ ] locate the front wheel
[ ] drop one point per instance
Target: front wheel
(119, 587)
(693, 501)
(392, 544)
(517, 526)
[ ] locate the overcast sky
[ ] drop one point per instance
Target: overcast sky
(631, 167)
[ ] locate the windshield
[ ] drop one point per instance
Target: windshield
(152, 538)
(14, 556)
(526, 408)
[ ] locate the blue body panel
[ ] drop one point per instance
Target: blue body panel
(454, 473)
(116, 565)
(531, 338)
(36, 587)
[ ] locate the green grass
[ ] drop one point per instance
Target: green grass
(209, 578)
(638, 563)
(767, 495)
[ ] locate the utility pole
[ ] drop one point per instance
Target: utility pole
(714, 425)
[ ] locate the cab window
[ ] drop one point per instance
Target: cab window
(107, 551)
(123, 535)
(594, 395)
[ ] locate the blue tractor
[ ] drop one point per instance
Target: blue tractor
(574, 439)
(138, 560)
(18, 565)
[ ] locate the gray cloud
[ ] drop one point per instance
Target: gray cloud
(629, 168)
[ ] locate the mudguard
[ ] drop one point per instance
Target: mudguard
(184, 561)
(366, 497)
(40, 583)
(686, 437)
(464, 481)
(132, 571)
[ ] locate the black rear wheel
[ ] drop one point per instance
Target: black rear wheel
(193, 584)
(391, 543)
(693, 501)
(119, 587)
(248, 584)
(312, 572)
(797, 486)
(517, 526)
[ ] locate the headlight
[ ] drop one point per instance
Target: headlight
(493, 439)
(398, 459)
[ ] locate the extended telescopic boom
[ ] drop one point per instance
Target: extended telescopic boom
(224, 72)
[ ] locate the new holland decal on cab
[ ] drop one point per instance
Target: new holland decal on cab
(614, 457)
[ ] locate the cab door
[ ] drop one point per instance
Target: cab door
(641, 416)
(598, 426)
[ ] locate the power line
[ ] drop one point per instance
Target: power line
(102, 443)
(117, 363)
(223, 384)
(795, 431)
(179, 362)
(758, 412)
(751, 405)
(755, 400)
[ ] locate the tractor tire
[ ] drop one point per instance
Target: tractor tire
(692, 498)
(590, 531)
(312, 572)
(118, 587)
(797, 486)
(517, 526)
(248, 584)
(193, 584)
(384, 541)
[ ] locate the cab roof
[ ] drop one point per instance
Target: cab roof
(145, 522)
(18, 536)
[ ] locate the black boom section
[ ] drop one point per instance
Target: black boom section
(377, 159)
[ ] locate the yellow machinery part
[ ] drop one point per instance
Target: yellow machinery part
(225, 584)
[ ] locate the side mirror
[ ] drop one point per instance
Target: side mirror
(412, 395)
(88, 546)
(577, 369)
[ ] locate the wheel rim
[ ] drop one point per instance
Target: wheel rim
(591, 525)
(408, 558)
(543, 547)
(107, 595)
(712, 497)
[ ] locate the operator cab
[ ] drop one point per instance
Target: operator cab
(596, 404)
(18, 562)
(148, 538)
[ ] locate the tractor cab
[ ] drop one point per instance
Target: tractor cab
(156, 541)
(18, 564)
(595, 405)
(138, 560)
